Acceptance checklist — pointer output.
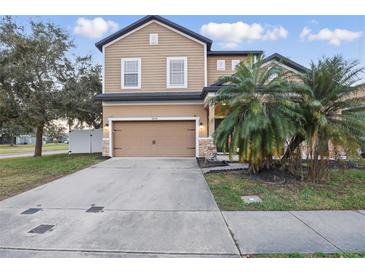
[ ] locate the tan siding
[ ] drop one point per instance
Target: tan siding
(171, 44)
(361, 91)
(158, 110)
(292, 76)
(214, 74)
(289, 74)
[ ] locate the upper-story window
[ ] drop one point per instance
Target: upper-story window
(177, 72)
(153, 39)
(235, 63)
(221, 65)
(272, 77)
(131, 73)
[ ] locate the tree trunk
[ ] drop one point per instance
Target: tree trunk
(39, 141)
(12, 143)
(294, 143)
(70, 123)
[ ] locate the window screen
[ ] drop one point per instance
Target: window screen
(177, 72)
(131, 73)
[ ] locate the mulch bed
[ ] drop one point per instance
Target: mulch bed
(277, 175)
(203, 163)
(100, 157)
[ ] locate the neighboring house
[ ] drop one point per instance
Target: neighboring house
(157, 81)
(361, 90)
(26, 139)
(30, 139)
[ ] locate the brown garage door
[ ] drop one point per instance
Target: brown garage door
(154, 138)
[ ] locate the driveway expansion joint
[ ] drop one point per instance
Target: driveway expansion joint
(315, 231)
(231, 234)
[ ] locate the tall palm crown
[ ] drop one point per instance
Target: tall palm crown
(258, 113)
(332, 113)
(331, 109)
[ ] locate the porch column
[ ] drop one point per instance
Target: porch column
(211, 120)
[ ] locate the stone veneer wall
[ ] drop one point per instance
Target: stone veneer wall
(105, 141)
(207, 148)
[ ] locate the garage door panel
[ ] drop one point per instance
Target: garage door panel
(154, 138)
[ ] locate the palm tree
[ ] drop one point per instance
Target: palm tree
(333, 116)
(258, 113)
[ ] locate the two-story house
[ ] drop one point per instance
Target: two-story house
(157, 79)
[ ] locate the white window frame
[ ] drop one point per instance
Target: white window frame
(235, 65)
(151, 39)
(139, 72)
(223, 62)
(185, 59)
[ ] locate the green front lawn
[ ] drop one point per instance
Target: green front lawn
(312, 255)
(20, 174)
(18, 149)
(342, 191)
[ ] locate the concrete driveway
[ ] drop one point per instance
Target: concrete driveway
(150, 207)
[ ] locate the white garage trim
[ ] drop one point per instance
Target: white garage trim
(149, 103)
(116, 119)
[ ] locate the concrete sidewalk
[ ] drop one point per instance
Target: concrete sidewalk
(324, 231)
(181, 234)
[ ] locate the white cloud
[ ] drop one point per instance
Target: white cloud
(230, 35)
(334, 37)
(313, 21)
(94, 28)
(275, 33)
(305, 32)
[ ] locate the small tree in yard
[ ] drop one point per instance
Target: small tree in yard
(33, 62)
(11, 115)
(333, 117)
(81, 83)
(259, 114)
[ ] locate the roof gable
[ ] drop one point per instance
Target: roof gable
(144, 21)
(276, 57)
(285, 61)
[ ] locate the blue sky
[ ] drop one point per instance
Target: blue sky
(268, 33)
